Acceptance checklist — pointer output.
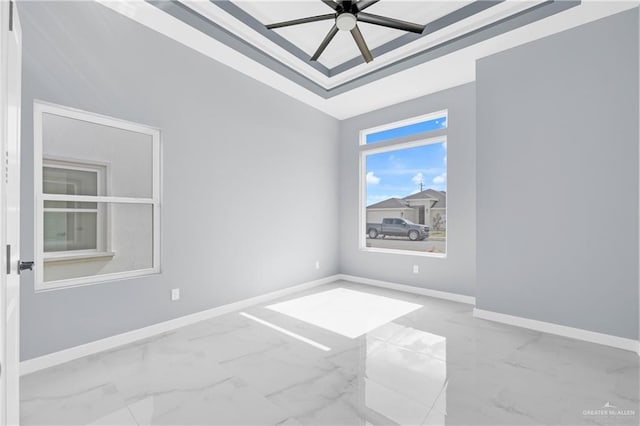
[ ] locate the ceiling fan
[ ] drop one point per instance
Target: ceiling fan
(346, 14)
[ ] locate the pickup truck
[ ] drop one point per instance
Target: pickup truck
(399, 228)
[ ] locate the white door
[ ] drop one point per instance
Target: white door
(10, 72)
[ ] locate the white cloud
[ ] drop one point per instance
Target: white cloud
(438, 180)
(418, 178)
(372, 179)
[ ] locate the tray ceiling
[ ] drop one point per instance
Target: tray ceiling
(405, 65)
(450, 25)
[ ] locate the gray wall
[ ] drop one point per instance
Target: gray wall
(456, 273)
(236, 155)
(557, 129)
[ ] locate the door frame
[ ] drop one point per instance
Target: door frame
(10, 98)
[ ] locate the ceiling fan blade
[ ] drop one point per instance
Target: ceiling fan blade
(390, 22)
(363, 4)
(302, 21)
(332, 4)
(357, 36)
(332, 33)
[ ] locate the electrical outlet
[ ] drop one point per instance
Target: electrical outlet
(416, 269)
(317, 264)
(175, 294)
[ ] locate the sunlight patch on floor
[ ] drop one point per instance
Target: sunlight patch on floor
(287, 332)
(347, 312)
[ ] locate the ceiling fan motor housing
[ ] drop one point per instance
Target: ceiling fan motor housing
(346, 21)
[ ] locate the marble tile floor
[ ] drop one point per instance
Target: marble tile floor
(434, 364)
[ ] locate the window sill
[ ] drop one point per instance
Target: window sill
(67, 257)
(404, 252)
(93, 280)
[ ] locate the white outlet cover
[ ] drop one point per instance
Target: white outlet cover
(175, 294)
(416, 269)
(317, 264)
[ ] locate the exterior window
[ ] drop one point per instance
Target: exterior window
(403, 169)
(72, 228)
(97, 198)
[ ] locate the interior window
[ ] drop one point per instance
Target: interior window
(97, 186)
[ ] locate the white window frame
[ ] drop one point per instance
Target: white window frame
(389, 146)
(40, 108)
(103, 227)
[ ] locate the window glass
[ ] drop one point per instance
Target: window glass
(69, 181)
(404, 199)
(65, 231)
(131, 239)
(408, 130)
(97, 198)
(407, 186)
(129, 155)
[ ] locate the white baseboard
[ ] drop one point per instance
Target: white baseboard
(470, 300)
(560, 330)
(66, 355)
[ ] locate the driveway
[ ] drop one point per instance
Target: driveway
(428, 245)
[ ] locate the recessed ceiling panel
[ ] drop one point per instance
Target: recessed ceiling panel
(309, 36)
(449, 27)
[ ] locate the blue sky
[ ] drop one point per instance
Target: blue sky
(408, 130)
(399, 173)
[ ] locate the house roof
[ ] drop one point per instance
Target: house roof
(439, 196)
(390, 203)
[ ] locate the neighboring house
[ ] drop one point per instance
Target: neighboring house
(392, 207)
(428, 207)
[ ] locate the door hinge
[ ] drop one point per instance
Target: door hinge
(10, 15)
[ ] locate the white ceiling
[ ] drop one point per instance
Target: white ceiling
(446, 71)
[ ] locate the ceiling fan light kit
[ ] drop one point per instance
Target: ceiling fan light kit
(346, 16)
(346, 21)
